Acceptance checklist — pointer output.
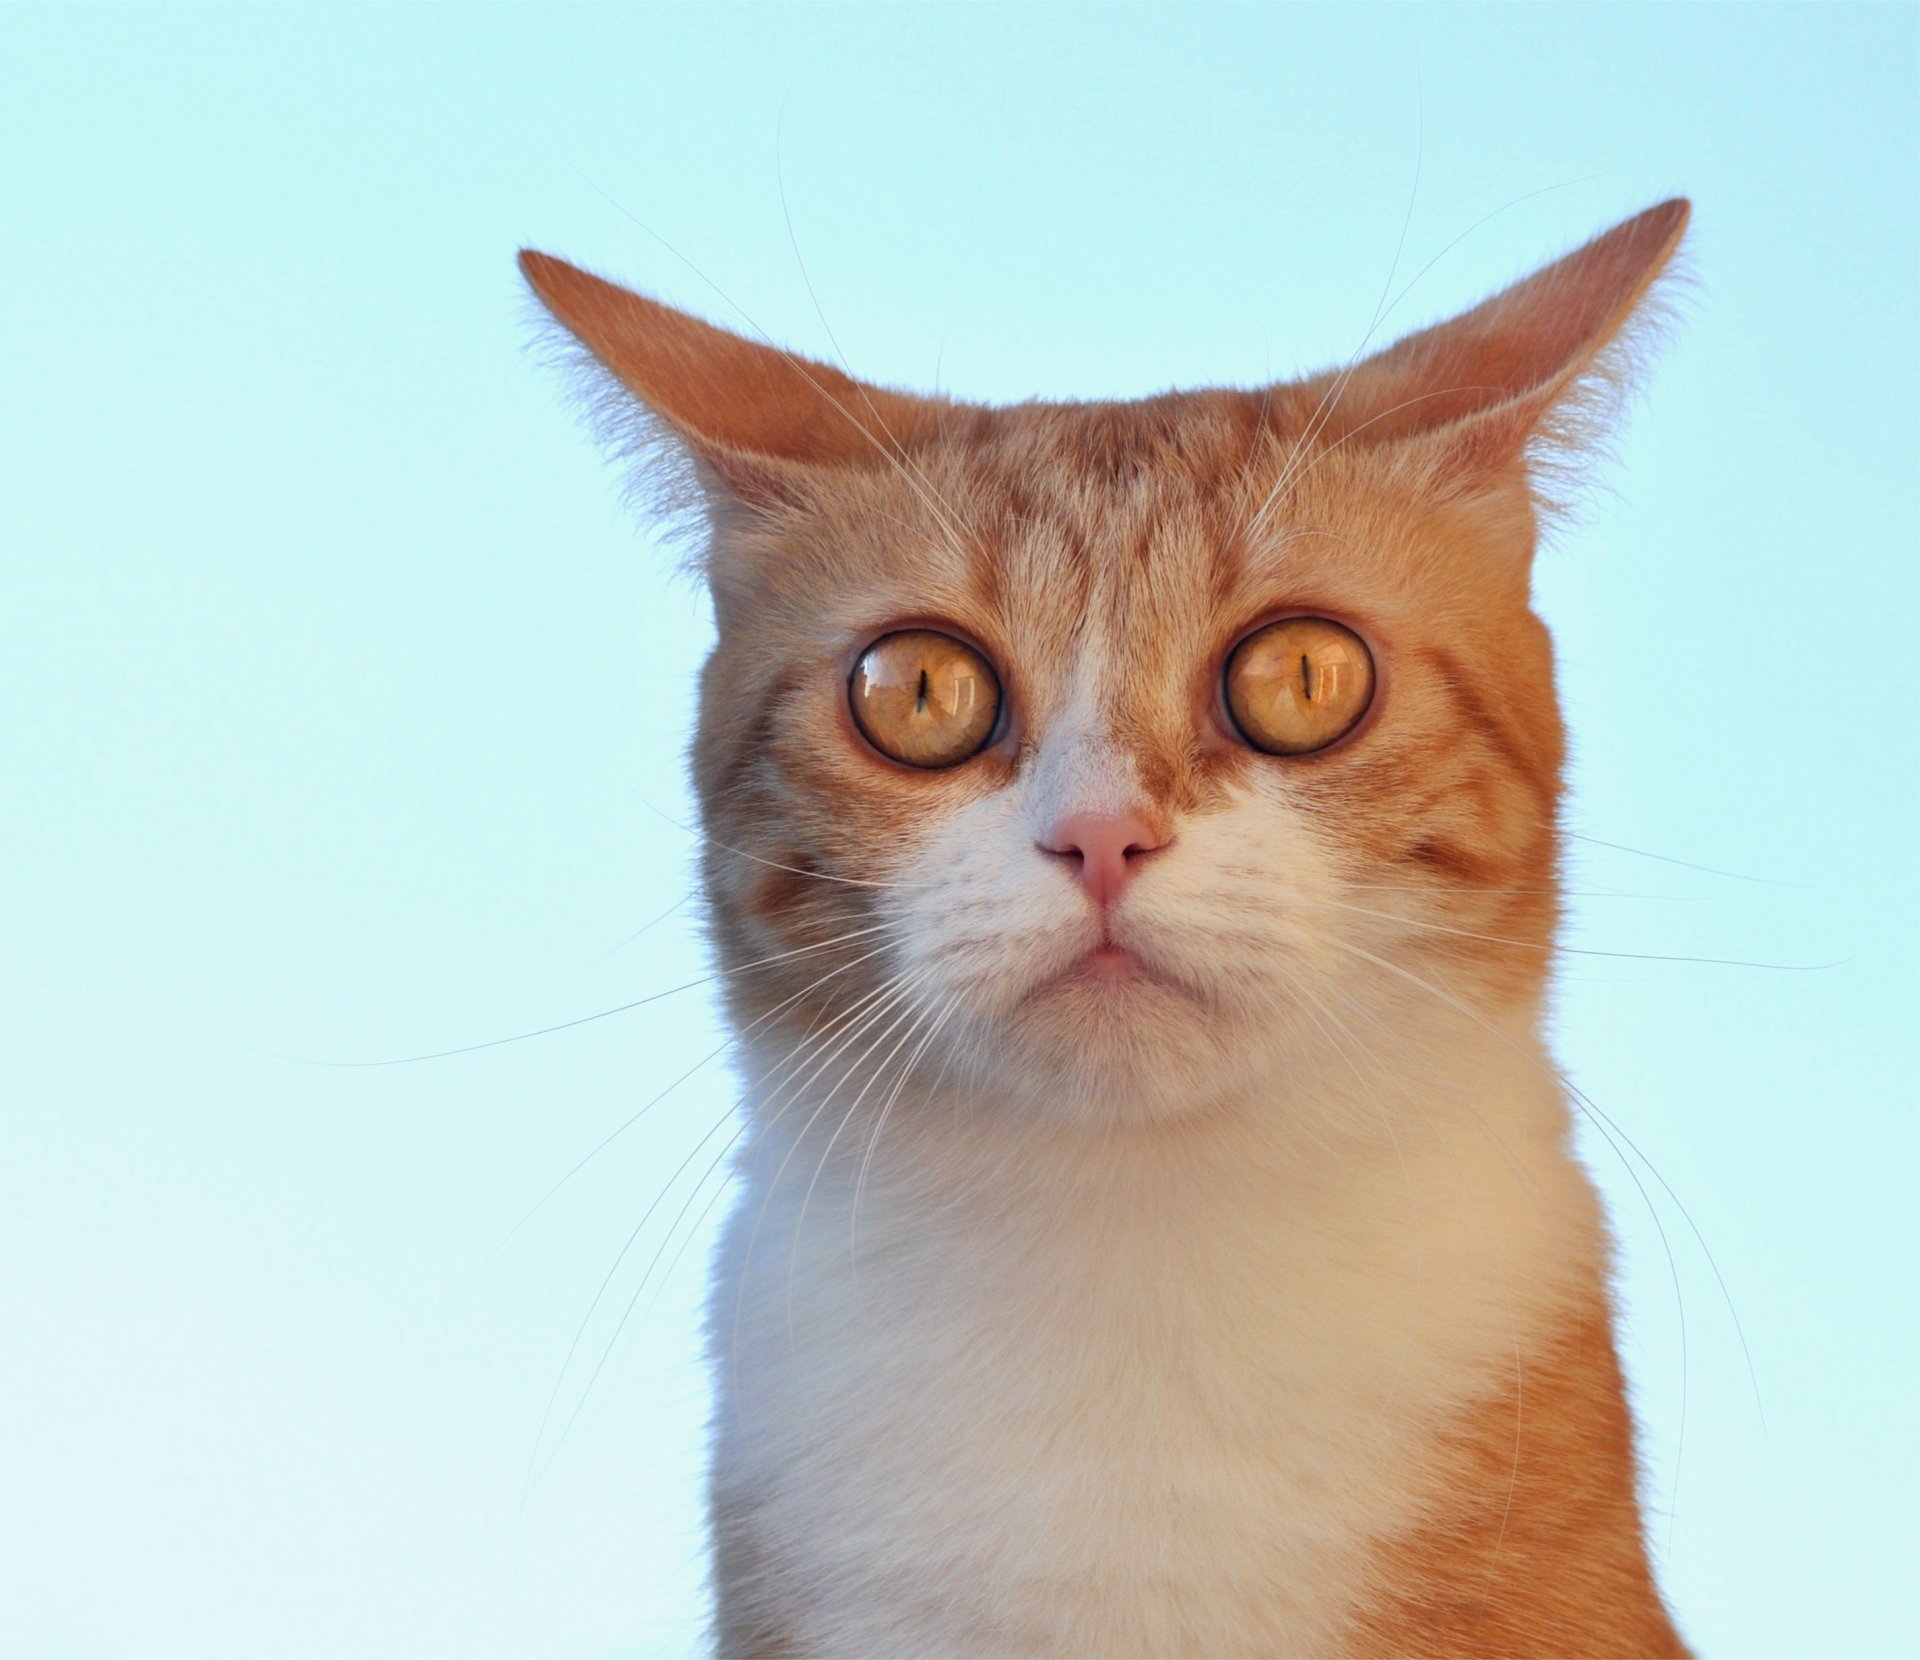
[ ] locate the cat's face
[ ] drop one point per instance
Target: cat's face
(1001, 758)
(1105, 563)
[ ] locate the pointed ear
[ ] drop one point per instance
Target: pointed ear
(755, 415)
(1546, 360)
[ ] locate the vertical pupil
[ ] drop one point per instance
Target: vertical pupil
(1306, 677)
(920, 695)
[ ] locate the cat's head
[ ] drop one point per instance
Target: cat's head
(1110, 755)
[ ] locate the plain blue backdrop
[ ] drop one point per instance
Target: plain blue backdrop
(342, 708)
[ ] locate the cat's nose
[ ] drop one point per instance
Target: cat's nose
(1106, 848)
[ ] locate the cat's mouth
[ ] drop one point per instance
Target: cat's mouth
(1111, 964)
(1109, 967)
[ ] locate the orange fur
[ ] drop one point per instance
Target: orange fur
(1402, 498)
(1533, 1541)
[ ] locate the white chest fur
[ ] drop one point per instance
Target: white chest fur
(1147, 1392)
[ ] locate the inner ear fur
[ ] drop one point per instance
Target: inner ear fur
(1541, 364)
(756, 416)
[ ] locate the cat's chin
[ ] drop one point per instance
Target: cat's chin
(1113, 1039)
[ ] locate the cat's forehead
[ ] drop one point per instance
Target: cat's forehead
(1105, 558)
(1128, 530)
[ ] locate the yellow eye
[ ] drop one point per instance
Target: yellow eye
(1298, 684)
(924, 698)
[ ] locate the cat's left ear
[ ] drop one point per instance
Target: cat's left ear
(1539, 367)
(760, 420)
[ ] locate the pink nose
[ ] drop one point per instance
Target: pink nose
(1107, 848)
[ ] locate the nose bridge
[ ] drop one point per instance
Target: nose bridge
(1081, 767)
(1112, 738)
(1084, 773)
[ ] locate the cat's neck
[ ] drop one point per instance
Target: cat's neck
(1278, 1302)
(1399, 1187)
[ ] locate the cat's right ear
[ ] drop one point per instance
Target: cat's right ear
(1535, 373)
(760, 420)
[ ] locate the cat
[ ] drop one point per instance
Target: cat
(1132, 851)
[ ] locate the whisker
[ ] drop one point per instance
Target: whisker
(947, 515)
(920, 1015)
(880, 1124)
(648, 928)
(713, 1054)
(1673, 1268)
(600, 1294)
(1588, 1106)
(1339, 384)
(603, 1014)
(1550, 946)
(706, 1210)
(899, 990)
(707, 1175)
(533, 1474)
(1684, 864)
(1472, 889)
(795, 870)
(1306, 463)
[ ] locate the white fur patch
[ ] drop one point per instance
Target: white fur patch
(1155, 1391)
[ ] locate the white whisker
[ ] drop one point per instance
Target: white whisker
(805, 1043)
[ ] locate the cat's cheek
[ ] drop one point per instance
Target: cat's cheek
(856, 817)
(1241, 910)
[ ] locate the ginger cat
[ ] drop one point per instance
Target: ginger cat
(1133, 854)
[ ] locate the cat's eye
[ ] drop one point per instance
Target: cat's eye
(924, 699)
(1298, 684)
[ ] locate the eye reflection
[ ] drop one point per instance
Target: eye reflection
(923, 698)
(1298, 684)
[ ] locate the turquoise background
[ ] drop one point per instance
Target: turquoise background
(342, 708)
